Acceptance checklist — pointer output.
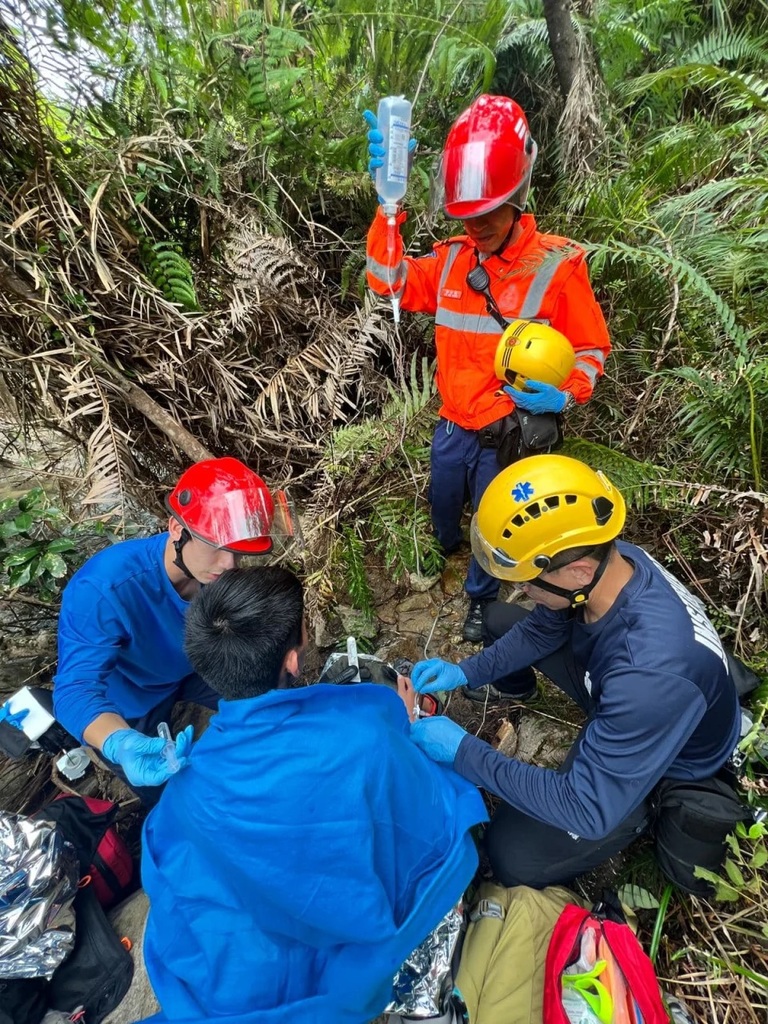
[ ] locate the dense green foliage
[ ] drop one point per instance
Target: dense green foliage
(183, 207)
(212, 160)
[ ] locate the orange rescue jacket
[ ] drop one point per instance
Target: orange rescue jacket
(537, 277)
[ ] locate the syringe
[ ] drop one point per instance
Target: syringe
(169, 750)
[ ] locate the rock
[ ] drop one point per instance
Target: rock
(354, 623)
(416, 623)
(128, 919)
(542, 742)
(323, 635)
(387, 613)
(415, 602)
(420, 584)
(452, 580)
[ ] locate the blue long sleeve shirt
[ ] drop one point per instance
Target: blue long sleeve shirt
(663, 703)
(121, 633)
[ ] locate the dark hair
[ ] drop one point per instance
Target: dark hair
(240, 628)
(596, 552)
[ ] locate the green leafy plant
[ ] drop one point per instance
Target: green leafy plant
(171, 273)
(742, 874)
(402, 532)
(35, 548)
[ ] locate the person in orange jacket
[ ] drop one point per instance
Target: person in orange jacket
(503, 268)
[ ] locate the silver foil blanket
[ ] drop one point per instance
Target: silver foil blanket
(424, 982)
(38, 882)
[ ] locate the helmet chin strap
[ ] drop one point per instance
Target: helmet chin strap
(576, 598)
(508, 236)
(177, 547)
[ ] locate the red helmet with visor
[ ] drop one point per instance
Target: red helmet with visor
(487, 159)
(222, 502)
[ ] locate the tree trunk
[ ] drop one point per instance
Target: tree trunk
(563, 42)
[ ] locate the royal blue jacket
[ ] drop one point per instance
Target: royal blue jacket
(297, 861)
(121, 632)
(663, 703)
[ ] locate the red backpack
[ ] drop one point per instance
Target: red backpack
(87, 823)
(610, 972)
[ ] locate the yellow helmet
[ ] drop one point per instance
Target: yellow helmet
(538, 507)
(533, 351)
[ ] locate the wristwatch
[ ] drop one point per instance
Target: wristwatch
(569, 401)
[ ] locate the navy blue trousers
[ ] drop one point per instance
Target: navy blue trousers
(523, 850)
(459, 465)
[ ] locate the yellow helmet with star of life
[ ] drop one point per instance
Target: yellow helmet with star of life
(528, 350)
(538, 507)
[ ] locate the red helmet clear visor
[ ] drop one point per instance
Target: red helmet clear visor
(478, 176)
(247, 521)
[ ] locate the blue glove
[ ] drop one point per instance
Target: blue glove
(540, 398)
(14, 719)
(376, 144)
(433, 675)
(438, 737)
(141, 757)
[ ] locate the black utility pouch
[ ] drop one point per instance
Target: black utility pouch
(691, 822)
(524, 434)
(490, 436)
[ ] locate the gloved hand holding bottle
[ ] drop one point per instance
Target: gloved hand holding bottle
(376, 149)
(433, 675)
(538, 398)
(142, 758)
(439, 738)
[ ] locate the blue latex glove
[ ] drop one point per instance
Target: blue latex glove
(433, 675)
(376, 144)
(141, 757)
(539, 398)
(438, 737)
(14, 719)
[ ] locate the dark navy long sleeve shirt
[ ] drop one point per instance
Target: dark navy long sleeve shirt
(663, 703)
(121, 636)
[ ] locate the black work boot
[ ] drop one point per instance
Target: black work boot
(473, 624)
(492, 695)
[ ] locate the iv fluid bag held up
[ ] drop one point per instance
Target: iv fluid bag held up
(394, 118)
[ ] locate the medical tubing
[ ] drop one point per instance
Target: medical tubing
(391, 245)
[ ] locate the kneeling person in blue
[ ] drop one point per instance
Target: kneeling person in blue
(618, 634)
(122, 665)
(309, 846)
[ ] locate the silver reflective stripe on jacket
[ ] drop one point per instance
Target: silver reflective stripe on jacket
(393, 277)
(540, 281)
(589, 369)
(453, 252)
(471, 323)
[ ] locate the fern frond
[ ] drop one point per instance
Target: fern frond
(403, 533)
(725, 44)
(170, 272)
(637, 479)
(353, 556)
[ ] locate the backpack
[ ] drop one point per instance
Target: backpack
(500, 979)
(98, 972)
(86, 823)
(596, 967)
